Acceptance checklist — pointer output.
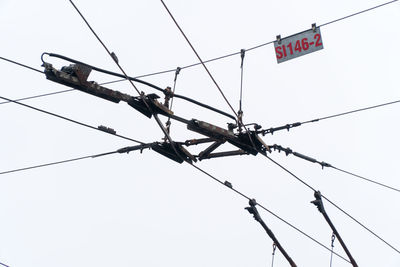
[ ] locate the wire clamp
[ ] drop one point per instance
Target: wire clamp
(278, 39)
(314, 27)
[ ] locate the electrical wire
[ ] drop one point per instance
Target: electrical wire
(216, 58)
(37, 96)
(114, 57)
(332, 203)
(199, 58)
(263, 44)
(20, 64)
(366, 179)
(272, 130)
(323, 164)
(196, 167)
(67, 119)
(226, 184)
(4, 265)
(48, 164)
(357, 13)
(352, 111)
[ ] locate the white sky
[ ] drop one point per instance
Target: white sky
(146, 210)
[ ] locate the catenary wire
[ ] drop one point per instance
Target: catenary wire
(199, 58)
(48, 164)
(297, 124)
(20, 64)
(239, 120)
(358, 13)
(220, 57)
(323, 164)
(265, 209)
(37, 96)
(260, 45)
(352, 111)
(67, 119)
(115, 59)
(332, 203)
(196, 167)
(366, 179)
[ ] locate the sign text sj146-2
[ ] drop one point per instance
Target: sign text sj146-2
(298, 44)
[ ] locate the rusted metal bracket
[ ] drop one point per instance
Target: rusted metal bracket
(75, 76)
(225, 154)
(168, 150)
(318, 202)
(241, 140)
(204, 154)
(253, 210)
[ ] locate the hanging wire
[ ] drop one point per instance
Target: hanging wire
(199, 58)
(331, 202)
(273, 254)
(332, 241)
(167, 97)
(68, 119)
(20, 64)
(240, 112)
(217, 58)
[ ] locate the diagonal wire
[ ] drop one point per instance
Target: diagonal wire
(365, 179)
(266, 209)
(332, 203)
(196, 167)
(67, 119)
(199, 58)
(51, 163)
(323, 164)
(352, 111)
(19, 64)
(358, 13)
(297, 124)
(216, 58)
(37, 96)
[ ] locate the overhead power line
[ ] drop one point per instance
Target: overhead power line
(229, 186)
(120, 151)
(366, 179)
(358, 13)
(331, 202)
(272, 130)
(289, 151)
(67, 119)
(37, 96)
(263, 44)
(20, 64)
(216, 58)
(199, 58)
(225, 184)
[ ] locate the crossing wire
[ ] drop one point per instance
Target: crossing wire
(366, 179)
(19, 64)
(332, 203)
(323, 164)
(199, 169)
(263, 44)
(67, 119)
(220, 57)
(199, 58)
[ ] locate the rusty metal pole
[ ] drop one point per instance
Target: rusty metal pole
(253, 210)
(318, 202)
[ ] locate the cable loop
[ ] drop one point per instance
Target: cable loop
(273, 254)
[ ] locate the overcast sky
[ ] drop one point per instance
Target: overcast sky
(142, 209)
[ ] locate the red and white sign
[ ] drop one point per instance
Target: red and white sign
(297, 45)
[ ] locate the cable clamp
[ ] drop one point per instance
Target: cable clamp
(314, 27)
(278, 39)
